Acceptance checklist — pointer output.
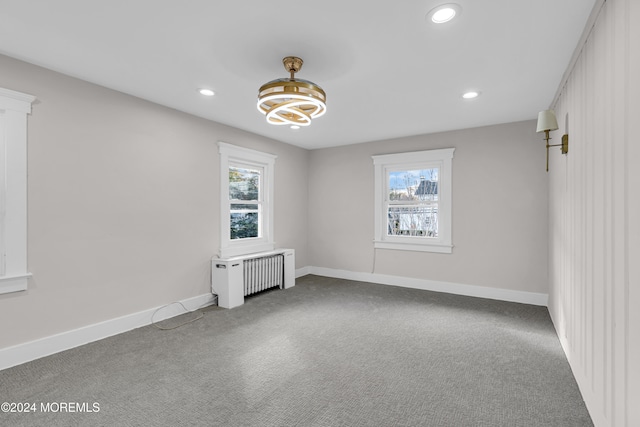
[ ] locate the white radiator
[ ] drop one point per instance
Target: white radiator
(234, 278)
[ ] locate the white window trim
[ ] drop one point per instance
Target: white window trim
(230, 154)
(443, 159)
(14, 107)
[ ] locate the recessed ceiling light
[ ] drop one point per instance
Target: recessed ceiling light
(294, 127)
(444, 13)
(471, 95)
(206, 92)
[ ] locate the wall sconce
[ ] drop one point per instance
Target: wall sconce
(547, 122)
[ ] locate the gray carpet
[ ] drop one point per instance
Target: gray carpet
(327, 352)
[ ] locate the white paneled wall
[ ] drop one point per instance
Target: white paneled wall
(593, 215)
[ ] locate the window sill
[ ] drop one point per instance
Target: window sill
(416, 247)
(231, 251)
(10, 284)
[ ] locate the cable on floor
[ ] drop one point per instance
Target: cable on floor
(201, 315)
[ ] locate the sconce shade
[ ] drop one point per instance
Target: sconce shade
(547, 121)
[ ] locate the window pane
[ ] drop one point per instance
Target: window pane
(244, 224)
(413, 220)
(419, 184)
(244, 184)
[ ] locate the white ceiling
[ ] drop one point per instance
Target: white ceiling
(387, 71)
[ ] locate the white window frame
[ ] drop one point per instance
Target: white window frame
(14, 107)
(383, 164)
(232, 155)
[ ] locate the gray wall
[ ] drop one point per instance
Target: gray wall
(123, 212)
(594, 201)
(499, 209)
(123, 204)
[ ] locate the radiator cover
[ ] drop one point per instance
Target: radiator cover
(234, 278)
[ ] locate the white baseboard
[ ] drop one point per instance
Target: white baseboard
(437, 286)
(303, 271)
(22, 353)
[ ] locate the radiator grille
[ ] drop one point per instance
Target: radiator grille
(263, 273)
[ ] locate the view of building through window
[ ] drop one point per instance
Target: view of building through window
(412, 208)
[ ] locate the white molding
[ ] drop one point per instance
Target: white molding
(16, 101)
(416, 247)
(303, 271)
(22, 353)
(15, 283)
(230, 154)
(414, 157)
(243, 153)
(14, 107)
(523, 297)
(382, 165)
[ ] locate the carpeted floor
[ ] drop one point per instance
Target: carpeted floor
(327, 352)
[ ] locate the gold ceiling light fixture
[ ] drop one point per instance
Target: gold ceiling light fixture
(291, 101)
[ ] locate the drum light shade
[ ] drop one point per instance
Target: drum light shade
(547, 121)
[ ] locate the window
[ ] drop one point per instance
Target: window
(246, 201)
(413, 201)
(14, 107)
